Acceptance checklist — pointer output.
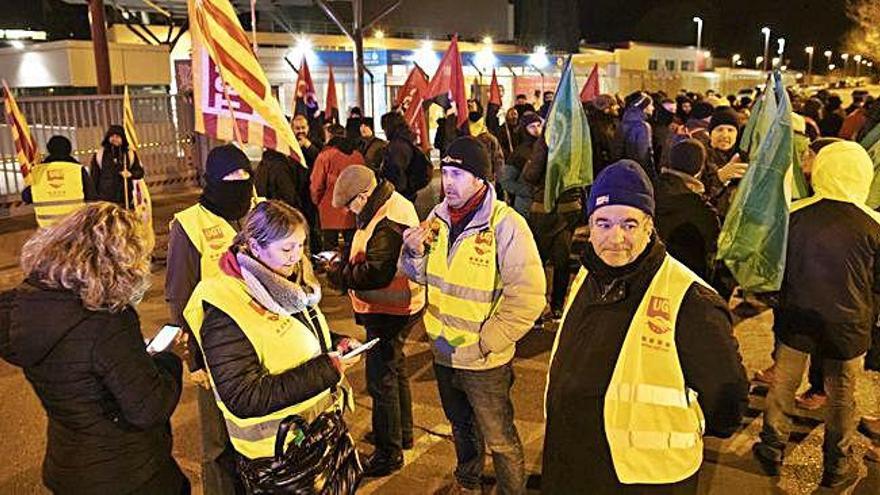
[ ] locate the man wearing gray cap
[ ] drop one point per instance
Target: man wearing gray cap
(485, 291)
(385, 302)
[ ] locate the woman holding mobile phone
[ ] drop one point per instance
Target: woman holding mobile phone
(72, 326)
(267, 347)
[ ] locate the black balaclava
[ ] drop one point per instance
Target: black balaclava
(228, 199)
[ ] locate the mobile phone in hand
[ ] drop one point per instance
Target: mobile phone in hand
(163, 340)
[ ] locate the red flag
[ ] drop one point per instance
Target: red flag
(591, 88)
(448, 81)
(494, 91)
(304, 96)
(331, 109)
(410, 99)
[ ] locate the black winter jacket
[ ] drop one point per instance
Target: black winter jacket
(576, 452)
(108, 402)
(247, 389)
(280, 177)
(832, 277)
(687, 224)
(396, 159)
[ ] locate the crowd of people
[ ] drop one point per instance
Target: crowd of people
(644, 362)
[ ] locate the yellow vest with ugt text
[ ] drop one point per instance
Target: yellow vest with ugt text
(57, 191)
(281, 343)
(465, 290)
(653, 422)
(211, 235)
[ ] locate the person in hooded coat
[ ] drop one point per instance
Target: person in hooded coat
(633, 139)
(832, 277)
(73, 328)
(113, 165)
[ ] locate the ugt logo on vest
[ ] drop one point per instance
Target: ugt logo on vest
(483, 239)
(213, 233)
(55, 178)
(658, 307)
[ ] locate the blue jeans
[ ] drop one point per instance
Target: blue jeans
(840, 421)
(478, 405)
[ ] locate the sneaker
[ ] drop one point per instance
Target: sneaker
(370, 438)
(767, 458)
(811, 400)
(835, 480)
(380, 464)
(870, 427)
(766, 376)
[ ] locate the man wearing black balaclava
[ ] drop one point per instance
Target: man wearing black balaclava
(113, 165)
(198, 237)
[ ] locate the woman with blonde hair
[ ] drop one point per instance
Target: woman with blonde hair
(268, 349)
(72, 326)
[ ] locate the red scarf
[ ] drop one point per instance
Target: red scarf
(457, 214)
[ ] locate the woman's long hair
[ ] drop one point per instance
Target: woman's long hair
(272, 221)
(99, 252)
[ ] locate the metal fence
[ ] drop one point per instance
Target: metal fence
(164, 125)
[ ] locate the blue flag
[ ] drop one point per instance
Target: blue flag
(570, 149)
(755, 233)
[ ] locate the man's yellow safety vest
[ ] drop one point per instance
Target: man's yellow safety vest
(281, 343)
(463, 292)
(402, 296)
(653, 422)
(57, 190)
(211, 235)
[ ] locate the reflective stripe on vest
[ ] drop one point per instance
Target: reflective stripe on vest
(402, 296)
(210, 234)
(464, 291)
(653, 422)
(280, 342)
(57, 191)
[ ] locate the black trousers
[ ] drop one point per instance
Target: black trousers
(387, 381)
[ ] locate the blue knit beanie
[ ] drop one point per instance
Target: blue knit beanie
(622, 183)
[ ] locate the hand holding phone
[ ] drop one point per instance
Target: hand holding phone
(359, 350)
(163, 340)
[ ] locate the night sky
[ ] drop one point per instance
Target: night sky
(729, 26)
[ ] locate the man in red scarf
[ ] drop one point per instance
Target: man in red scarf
(485, 291)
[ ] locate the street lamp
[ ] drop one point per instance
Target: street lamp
(734, 60)
(699, 22)
(781, 43)
(809, 51)
(758, 61)
(845, 57)
(828, 56)
(766, 58)
(858, 60)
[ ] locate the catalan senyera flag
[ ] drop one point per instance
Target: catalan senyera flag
(143, 203)
(229, 86)
(25, 146)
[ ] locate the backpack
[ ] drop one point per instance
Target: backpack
(419, 171)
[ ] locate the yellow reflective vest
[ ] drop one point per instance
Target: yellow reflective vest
(402, 296)
(57, 190)
(653, 423)
(281, 343)
(211, 235)
(465, 290)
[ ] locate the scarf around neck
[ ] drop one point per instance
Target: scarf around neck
(274, 292)
(457, 214)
